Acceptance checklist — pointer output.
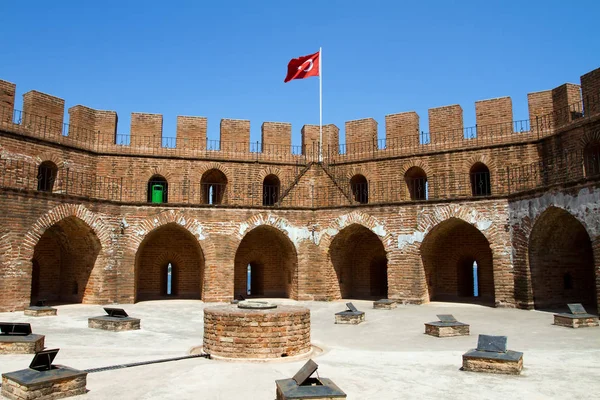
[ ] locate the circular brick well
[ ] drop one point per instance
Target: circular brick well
(233, 332)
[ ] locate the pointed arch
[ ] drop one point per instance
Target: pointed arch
(293, 233)
(561, 260)
(356, 217)
(68, 231)
(357, 264)
(458, 262)
(140, 230)
(273, 261)
(173, 244)
(57, 214)
(432, 217)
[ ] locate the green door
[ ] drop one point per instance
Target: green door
(157, 193)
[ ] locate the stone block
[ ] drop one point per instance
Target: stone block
(315, 389)
(350, 317)
(16, 344)
(509, 362)
(446, 329)
(115, 324)
(384, 304)
(575, 320)
(57, 383)
(35, 311)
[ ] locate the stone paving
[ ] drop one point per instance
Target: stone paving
(386, 357)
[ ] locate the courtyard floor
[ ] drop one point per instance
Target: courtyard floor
(386, 357)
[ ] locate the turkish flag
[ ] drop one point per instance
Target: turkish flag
(303, 67)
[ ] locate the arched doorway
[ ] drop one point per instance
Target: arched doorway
(169, 265)
(273, 264)
(360, 264)
(591, 159)
(213, 184)
(158, 190)
(481, 184)
(561, 261)
(449, 253)
(360, 188)
(270, 190)
(63, 260)
(46, 177)
(416, 182)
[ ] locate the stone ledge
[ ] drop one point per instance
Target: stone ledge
(59, 382)
(14, 344)
(114, 324)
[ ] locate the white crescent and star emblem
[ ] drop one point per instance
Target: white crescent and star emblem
(309, 67)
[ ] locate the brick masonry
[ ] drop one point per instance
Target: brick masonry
(114, 324)
(232, 332)
(66, 382)
(575, 322)
(493, 365)
(536, 249)
(433, 329)
(29, 344)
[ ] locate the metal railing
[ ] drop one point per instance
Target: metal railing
(561, 168)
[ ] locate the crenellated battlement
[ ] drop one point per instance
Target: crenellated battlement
(93, 129)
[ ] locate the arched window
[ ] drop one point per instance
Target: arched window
(169, 279)
(213, 184)
(480, 180)
(158, 190)
(591, 159)
(416, 181)
(46, 176)
(270, 190)
(360, 188)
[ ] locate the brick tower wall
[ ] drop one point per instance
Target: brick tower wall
(402, 130)
(7, 101)
(446, 125)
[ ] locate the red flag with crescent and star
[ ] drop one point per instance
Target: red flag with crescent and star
(303, 67)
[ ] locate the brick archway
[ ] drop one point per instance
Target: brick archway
(272, 259)
(167, 244)
(371, 242)
(327, 235)
(448, 253)
(295, 234)
(73, 244)
(359, 263)
(57, 214)
(561, 261)
(135, 235)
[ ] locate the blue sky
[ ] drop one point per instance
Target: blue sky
(228, 59)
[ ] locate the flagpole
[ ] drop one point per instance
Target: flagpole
(320, 104)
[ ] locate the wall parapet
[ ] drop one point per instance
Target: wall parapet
(95, 130)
